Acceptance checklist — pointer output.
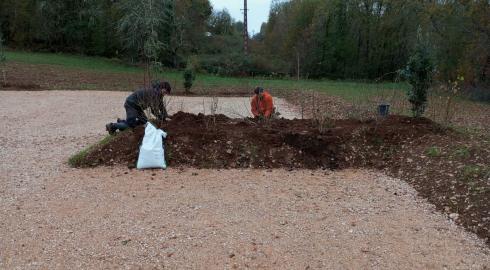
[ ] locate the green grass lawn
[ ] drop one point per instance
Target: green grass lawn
(345, 89)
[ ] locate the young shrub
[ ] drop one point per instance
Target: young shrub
(142, 29)
(213, 108)
(434, 151)
(472, 173)
(453, 89)
(189, 77)
(462, 152)
(419, 72)
(324, 122)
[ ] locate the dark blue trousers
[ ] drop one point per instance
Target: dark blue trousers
(135, 116)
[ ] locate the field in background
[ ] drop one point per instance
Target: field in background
(204, 82)
(340, 99)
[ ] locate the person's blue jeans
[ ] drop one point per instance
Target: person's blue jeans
(135, 116)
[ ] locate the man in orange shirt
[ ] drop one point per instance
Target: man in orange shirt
(262, 103)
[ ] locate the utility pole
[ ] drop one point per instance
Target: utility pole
(245, 27)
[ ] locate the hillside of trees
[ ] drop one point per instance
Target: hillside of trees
(335, 39)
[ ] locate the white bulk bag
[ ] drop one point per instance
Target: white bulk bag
(152, 155)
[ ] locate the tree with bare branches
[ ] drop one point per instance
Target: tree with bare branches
(143, 30)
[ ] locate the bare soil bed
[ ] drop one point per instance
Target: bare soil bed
(221, 142)
(21, 76)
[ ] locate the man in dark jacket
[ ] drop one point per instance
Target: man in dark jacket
(138, 102)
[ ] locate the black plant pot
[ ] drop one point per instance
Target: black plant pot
(384, 110)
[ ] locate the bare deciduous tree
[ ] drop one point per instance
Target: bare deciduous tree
(142, 27)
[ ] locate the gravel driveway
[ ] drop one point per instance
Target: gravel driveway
(55, 217)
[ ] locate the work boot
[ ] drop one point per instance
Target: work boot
(111, 128)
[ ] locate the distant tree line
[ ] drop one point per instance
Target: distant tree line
(371, 38)
(336, 39)
(102, 27)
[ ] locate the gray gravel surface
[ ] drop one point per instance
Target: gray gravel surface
(55, 217)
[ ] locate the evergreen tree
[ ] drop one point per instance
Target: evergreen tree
(419, 72)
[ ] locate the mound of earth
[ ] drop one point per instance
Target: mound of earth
(220, 142)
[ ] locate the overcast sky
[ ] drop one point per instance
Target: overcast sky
(257, 14)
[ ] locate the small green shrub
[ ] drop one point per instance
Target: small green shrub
(473, 172)
(189, 77)
(462, 152)
(434, 151)
(419, 73)
(238, 65)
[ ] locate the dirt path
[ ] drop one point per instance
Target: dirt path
(54, 217)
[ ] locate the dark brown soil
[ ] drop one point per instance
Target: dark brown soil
(22, 76)
(19, 86)
(452, 172)
(220, 142)
(446, 167)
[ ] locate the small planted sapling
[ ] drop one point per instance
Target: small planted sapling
(189, 77)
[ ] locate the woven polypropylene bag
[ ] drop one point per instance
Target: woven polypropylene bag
(152, 153)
